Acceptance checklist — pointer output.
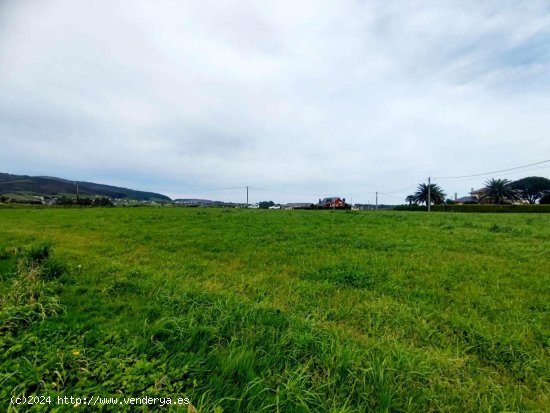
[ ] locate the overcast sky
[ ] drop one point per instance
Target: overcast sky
(296, 99)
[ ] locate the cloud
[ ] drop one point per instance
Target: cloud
(295, 99)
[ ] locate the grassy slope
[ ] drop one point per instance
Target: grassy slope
(22, 186)
(300, 310)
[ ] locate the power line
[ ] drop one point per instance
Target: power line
(199, 189)
(510, 174)
(294, 192)
(493, 172)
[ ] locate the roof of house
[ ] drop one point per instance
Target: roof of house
(331, 199)
(466, 199)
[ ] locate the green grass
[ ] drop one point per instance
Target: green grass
(290, 311)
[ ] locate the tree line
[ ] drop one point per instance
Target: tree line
(496, 191)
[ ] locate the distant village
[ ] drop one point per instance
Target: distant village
(54, 191)
(335, 203)
(325, 203)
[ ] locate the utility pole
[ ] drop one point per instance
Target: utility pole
(77, 193)
(247, 196)
(376, 205)
(429, 195)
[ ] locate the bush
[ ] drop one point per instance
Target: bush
(64, 201)
(102, 201)
(84, 201)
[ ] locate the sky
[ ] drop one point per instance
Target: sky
(296, 99)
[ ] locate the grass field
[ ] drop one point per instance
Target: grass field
(277, 311)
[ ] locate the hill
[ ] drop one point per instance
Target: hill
(45, 185)
(196, 201)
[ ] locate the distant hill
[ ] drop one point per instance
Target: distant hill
(46, 185)
(195, 201)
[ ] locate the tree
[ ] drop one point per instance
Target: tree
(545, 199)
(411, 199)
(84, 201)
(102, 201)
(531, 188)
(499, 190)
(266, 204)
(63, 200)
(437, 196)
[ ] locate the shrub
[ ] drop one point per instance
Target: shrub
(102, 201)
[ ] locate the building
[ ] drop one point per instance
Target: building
(467, 200)
(477, 196)
(333, 203)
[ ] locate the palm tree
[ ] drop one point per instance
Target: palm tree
(437, 196)
(410, 199)
(498, 190)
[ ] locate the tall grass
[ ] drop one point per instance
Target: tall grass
(30, 297)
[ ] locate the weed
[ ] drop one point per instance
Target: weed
(344, 274)
(53, 268)
(37, 254)
(29, 299)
